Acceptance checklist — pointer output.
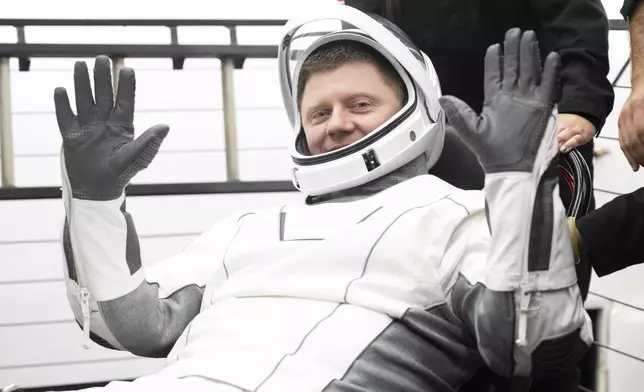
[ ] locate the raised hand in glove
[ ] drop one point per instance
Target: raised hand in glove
(529, 304)
(518, 106)
(514, 139)
(99, 150)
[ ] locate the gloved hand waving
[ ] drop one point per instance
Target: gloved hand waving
(518, 104)
(100, 153)
(529, 289)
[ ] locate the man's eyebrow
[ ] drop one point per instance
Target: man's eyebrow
(349, 97)
(361, 95)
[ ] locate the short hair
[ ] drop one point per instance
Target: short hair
(335, 54)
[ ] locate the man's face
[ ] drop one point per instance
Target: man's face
(342, 105)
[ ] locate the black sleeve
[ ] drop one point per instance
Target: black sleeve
(368, 6)
(628, 8)
(613, 235)
(578, 31)
(565, 382)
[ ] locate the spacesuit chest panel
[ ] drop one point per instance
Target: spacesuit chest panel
(382, 253)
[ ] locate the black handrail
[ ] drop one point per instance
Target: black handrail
(138, 50)
(142, 22)
(614, 24)
(24, 50)
(175, 189)
(618, 24)
(171, 50)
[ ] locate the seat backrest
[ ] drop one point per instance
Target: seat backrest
(458, 165)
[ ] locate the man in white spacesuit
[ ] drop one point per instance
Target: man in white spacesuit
(383, 278)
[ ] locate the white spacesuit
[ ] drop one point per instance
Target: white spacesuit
(382, 278)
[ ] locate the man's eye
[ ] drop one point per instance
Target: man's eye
(362, 105)
(319, 114)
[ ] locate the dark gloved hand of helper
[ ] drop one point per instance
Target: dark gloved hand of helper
(99, 150)
(519, 99)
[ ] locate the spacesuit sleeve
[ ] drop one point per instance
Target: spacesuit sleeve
(524, 307)
(530, 324)
(119, 302)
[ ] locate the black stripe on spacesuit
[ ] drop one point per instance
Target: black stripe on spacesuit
(487, 212)
(69, 253)
(132, 246)
(283, 228)
(366, 262)
(487, 216)
(543, 221)
(282, 223)
(369, 215)
(244, 215)
(425, 350)
(459, 204)
(223, 259)
(299, 346)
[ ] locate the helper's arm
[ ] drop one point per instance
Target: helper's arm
(115, 299)
(611, 236)
(578, 31)
(518, 294)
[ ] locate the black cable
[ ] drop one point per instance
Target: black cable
(628, 306)
(619, 352)
(617, 301)
(584, 389)
(621, 71)
(581, 192)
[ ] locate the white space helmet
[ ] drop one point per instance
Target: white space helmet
(417, 128)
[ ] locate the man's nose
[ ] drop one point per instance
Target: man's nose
(339, 124)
